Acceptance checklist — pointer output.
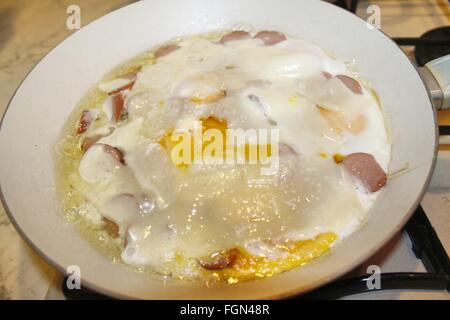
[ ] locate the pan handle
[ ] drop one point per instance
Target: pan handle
(436, 75)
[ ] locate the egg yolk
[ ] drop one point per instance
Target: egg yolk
(248, 267)
(168, 142)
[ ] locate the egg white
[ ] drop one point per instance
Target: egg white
(207, 209)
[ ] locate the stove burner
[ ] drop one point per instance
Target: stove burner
(437, 45)
(426, 244)
(349, 5)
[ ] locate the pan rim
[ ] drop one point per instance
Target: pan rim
(293, 292)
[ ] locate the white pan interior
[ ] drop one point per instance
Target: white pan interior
(41, 105)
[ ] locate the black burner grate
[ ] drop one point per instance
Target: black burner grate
(431, 45)
(425, 245)
(349, 5)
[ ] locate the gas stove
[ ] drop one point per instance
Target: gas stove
(414, 264)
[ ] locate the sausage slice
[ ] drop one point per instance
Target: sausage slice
(220, 260)
(165, 50)
(327, 74)
(350, 83)
(124, 82)
(118, 106)
(364, 168)
(287, 150)
(84, 122)
(116, 153)
(270, 37)
(111, 227)
(131, 77)
(235, 35)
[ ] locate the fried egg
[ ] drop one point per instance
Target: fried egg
(219, 219)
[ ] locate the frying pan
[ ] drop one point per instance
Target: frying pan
(42, 103)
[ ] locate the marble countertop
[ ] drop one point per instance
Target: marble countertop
(30, 28)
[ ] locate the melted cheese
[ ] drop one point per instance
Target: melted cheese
(200, 209)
